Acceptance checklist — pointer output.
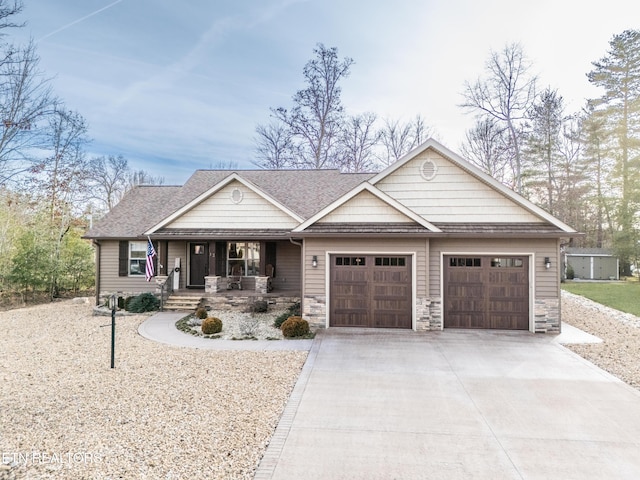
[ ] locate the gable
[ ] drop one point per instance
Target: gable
(234, 206)
(365, 208)
(452, 195)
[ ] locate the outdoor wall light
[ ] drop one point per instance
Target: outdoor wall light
(547, 263)
(314, 261)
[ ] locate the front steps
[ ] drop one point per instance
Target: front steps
(182, 303)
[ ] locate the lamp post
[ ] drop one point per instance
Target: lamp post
(113, 302)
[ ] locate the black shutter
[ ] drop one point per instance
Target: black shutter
(123, 259)
(155, 258)
(221, 259)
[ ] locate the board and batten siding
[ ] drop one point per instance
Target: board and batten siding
(546, 281)
(453, 195)
(220, 211)
(110, 281)
(365, 207)
(315, 281)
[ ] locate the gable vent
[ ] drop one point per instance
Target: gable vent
(236, 195)
(428, 170)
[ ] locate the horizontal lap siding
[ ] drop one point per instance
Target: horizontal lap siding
(546, 281)
(288, 269)
(453, 195)
(315, 281)
(219, 211)
(365, 208)
(110, 281)
(178, 250)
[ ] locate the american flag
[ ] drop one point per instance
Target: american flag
(151, 252)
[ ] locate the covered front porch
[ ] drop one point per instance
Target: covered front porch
(232, 270)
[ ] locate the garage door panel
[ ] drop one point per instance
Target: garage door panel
(371, 291)
(486, 292)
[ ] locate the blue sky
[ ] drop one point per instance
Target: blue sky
(176, 86)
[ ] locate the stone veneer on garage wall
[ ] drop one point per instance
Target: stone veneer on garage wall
(429, 313)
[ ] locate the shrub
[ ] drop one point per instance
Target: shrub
(295, 327)
(570, 273)
(201, 313)
(293, 310)
(211, 325)
(145, 302)
(259, 306)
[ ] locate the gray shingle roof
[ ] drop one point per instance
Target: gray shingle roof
(305, 192)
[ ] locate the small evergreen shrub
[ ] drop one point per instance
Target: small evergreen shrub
(145, 302)
(259, 306)
(201, 313)
(570, 273)
(211, 325)
(295, 327)
(293, 310)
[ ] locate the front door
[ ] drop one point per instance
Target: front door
(198, 264)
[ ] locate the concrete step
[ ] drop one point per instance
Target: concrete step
(182, 302)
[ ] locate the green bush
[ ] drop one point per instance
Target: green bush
(202, 313)
(294, 310)
(259, 306)
(211, 325)
(570, 273)
(295, 327)
(145, 302)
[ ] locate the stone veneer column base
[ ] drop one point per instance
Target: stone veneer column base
(214, 284)
(547, 315)
(314, 310)
(261, 285)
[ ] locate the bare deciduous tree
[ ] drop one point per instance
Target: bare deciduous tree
(25, 102)
(316, 119)
(398, 138)
(487, 146)
(358, 141)
(274, 146)
(109, 179)
(505, 93)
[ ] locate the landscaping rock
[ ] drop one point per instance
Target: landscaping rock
(163, 412)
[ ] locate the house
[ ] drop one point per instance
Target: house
(591, 264)
(431, 242)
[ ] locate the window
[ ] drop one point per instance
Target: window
(243, 259)
(353, 261)
(507, 262)
(390, 261)
(464, 262)
(137, 258)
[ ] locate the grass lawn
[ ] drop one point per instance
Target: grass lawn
(623, 296)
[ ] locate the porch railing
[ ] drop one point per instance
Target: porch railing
(166, 289)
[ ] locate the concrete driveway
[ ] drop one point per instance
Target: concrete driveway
(453, 405)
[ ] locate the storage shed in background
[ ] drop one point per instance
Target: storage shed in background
(592, 264)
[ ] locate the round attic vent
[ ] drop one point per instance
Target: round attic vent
(236, 195)
(428, 170)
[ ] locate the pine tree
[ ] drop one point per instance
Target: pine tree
(618, 73)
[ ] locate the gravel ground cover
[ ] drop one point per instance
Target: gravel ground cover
(173, 413)
(237, 324)
(619, 352)
(163, 412)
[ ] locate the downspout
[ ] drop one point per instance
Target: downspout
(96, 243)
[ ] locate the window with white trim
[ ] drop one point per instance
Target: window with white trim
(243, 259)
(137, 258)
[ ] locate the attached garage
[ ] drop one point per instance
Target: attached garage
(486, 292)
(370, 291)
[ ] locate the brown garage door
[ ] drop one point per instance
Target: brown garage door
(370, 291)
(486, 292)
